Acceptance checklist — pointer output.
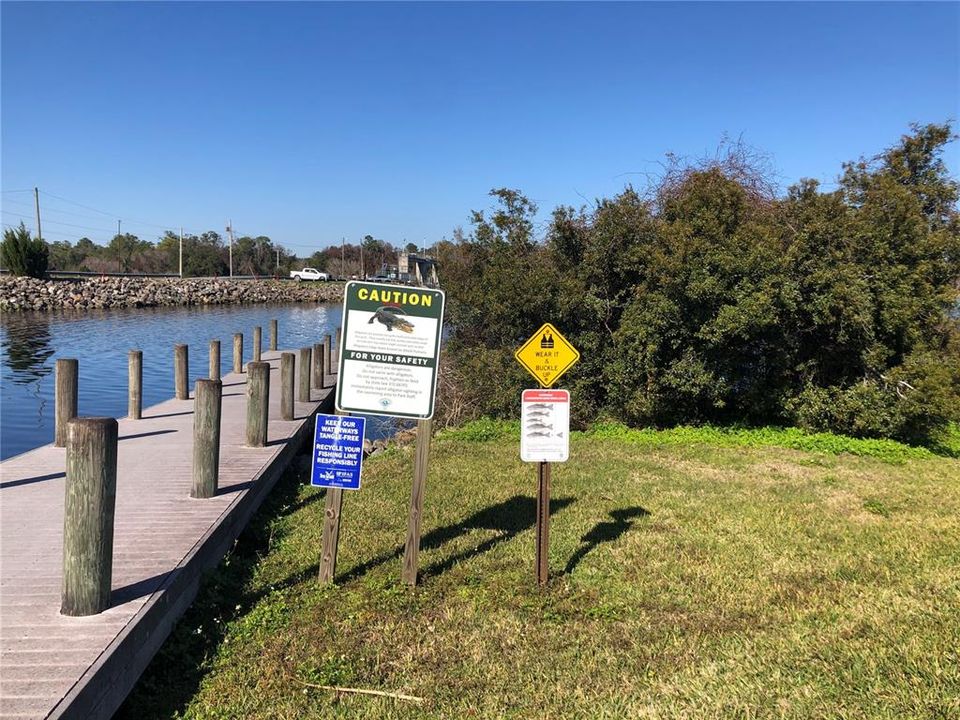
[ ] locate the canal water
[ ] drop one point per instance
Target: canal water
(31, 343)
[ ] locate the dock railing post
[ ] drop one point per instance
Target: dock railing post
(258, 403)
(303, 374)
(135, 384)
(318, 366)
(206, 437)
(181, 372)
(90, 500)
(238, 352)
(257, 342)
(213, 372)
(288, 363)
(65, 399)
(273, 335)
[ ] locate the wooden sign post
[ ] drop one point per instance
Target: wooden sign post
(411, 548)
(389, 358)
(543, 522)
(337, 466)
(545, 423)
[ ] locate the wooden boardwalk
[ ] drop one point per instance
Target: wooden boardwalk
(56, 666)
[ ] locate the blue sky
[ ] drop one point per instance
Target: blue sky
(312, 121)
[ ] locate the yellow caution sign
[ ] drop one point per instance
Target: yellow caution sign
(547, 355)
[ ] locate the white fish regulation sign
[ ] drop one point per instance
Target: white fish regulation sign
(545, 426)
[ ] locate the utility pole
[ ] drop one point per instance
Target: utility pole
(230, 232)
(341, 259)
(363, 274)
(36, 199)
(119, 243)
(181, 251)
(278, 258)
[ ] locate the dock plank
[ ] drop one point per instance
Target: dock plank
(56, 666)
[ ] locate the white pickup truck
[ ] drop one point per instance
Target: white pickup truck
(308, 274)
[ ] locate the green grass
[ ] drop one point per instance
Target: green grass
(793, 438)
(694, 574)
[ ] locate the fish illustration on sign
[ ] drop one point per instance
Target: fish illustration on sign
(392, 317)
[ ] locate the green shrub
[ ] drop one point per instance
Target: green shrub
(710, 300)
(22, 254)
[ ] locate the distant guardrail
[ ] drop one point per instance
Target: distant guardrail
(68, 274)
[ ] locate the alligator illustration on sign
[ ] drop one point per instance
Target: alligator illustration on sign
(392, 317)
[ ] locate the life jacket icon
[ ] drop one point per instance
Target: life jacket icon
(546, 342)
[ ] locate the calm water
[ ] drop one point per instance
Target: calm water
(32, 342)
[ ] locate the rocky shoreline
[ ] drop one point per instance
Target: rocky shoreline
(23, 293)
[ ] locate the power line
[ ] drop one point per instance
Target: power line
(128, 220)
(48, 209)
(57, 222)
(58, 234)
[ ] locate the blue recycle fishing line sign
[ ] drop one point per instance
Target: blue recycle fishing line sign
(337, 451)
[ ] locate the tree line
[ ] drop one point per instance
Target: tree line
(707, 297)
(204, 255)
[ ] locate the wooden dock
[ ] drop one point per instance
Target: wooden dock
(83, 667)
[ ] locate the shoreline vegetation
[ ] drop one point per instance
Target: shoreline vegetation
(25, 293)
(673, 553)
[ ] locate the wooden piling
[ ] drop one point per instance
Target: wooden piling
(411, 550)
(213, 373)
(258, 403)
(208, 396)
(318, 366)
(90, 500)
(336, 363)
(238, 352)
(273, 335)
(135, 384)
(303, 374)
(181, 372)
(257, 341)
(65, 398)
(327, 359)
(288, 363)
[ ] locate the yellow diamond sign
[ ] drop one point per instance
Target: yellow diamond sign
(547, 355)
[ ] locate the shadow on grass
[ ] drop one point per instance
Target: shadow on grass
(508, 518)
(174, 675)
(605, 532)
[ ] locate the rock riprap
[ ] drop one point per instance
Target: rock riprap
(23, 293)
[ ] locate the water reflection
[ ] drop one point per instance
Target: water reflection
(99, 339)
(27, 345)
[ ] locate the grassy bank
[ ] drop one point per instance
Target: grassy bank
(690, 579)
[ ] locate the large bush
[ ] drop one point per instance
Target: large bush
(711, 299)
(22, 254)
